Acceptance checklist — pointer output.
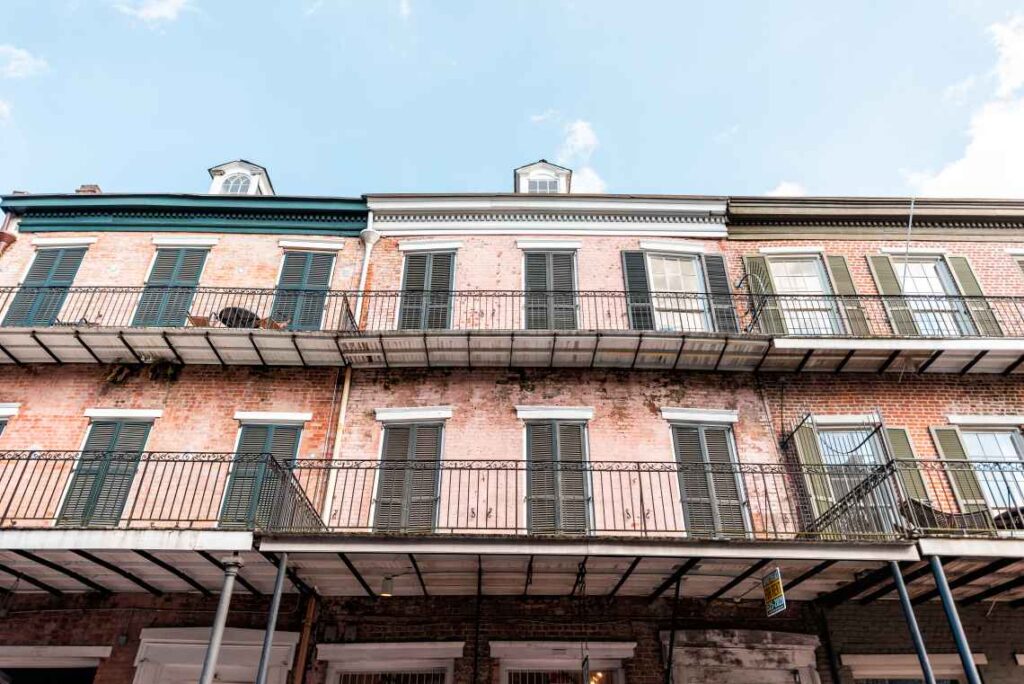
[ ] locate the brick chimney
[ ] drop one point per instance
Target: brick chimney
(88, 189)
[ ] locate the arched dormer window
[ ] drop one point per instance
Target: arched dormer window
(236, 184)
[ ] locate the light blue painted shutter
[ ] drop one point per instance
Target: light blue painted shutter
(42, 294)
(170, 288)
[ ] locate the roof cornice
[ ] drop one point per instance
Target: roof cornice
(19, 204)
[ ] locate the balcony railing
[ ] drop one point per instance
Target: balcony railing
(815, 316)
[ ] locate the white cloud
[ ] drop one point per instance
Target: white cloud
(577, 147)
(18, 63)
(992, 163)
(958, 92)
(586, 180)
(153, 11)
(787, 189)
(405, 9)
(546, 115)
(5, 111)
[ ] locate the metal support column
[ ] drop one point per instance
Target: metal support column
(275, 606)
(915, 631)
(962, 647)
(231, 566)
(669, 674)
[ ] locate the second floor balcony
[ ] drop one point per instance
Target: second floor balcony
(501, 328)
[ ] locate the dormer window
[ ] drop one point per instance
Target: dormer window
(236, 184)
(543, 178)
(542, 186)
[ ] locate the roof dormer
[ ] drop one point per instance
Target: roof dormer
(240, 177)
(543, 178)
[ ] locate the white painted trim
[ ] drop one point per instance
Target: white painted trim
(528, 243)
(272, 417)
(123, 413)
(673, 247)
(972, 344)
(995, 421)
(413, 413)
(317, 245)
(1019, 657)
(688, 415)
(812, 250)
(914, 251)
(176, 654)
(1015, 252)
(154, 540)
(9, 410)
(63, 241)
(899, 665)
(52, 656)
(555, 412)
(559, 228)
(979, 548)
(518, 202)
(603, 655)
(429, 246)
(389, 654)
(845, 419)
(185, 241)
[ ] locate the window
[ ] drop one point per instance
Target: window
(932, 296)
(903, 681)
(678, 292)
(677, 285)
(999, 466)
(557, 487)
(409, 477)
(41, 295)
(434, 676)
(710, 485)
(236, 184)
(806, 299)
(427, 291)
(171, 285)
(3, 424)
(104, 472)
(555, 676)
(543, 186)
(257, 484)
(849, 456)
(302, 290)
(550, 290)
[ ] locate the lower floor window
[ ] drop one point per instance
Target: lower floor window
(559, 677)
(904, 681)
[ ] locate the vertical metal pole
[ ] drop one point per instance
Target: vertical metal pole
(275, 606)
(669, 675)
(962, 647)
(915, 631)
(231, 566)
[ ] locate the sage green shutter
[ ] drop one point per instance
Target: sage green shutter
(556, 482)
(427, 291)
(550, 291)
(909, 473)
(709, 484)
(41, 295)
(719, 294)
(572, 479)
(262, 462)
(170, 288)
(302, 289)
(408, 479)
(763, 302)
(103, 476)
(638, 293)
(808, 451)
(888, 285)
(849, 302)
(965, 481)
(977, 305)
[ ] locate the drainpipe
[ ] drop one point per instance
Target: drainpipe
(953, 617)
(369, 236)
(231, 566)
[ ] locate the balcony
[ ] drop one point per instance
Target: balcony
(583, 329)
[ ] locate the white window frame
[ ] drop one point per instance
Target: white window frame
(702, 416)
(544, 414)
(9, 410)
(386, 657)
(696, 256)
(902, 666)
(31, 657)
(561, 655)
(273, 417)
(443, 249)
(817, 254)
(185, 241)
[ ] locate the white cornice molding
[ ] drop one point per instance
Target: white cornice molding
(63, 241)
(316, 245)
(1015, 252)
(9, 410)
(429, 246)
(388, 653)
(555, 412)
(413, 413)
(692, 415)
(554, 654)
(983, 420)
(185, 241)
(548, 203)
(528, 243)
(898, 665)
(674, 247)
(507, 226)
(811, 250)
(15, 657)
(273, 417)
(145, 414)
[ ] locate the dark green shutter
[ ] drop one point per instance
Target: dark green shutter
(103, 476)
(694, 486)
(849, 302)
(427, 291)
(965, 481)
(764, 306)
(977, 305)
(638, 294)
(709, 485)
(888, 285)
(909, 473)
(302, 289)
(408, 480)
(262, 462)
(556, 483)
(44, 289)
(550, 291)
(808, 451)
(719, 294)
(170, 288)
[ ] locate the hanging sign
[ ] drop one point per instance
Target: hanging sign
(774, 596)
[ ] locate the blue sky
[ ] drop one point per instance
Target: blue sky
(342, 97)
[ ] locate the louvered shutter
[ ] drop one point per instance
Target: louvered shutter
(909, 473)
(720, 294)
(282, 446)
(966, 486)
(537, 286)
(422, 479)
(727, 491)
(247, 471)
(170, 288)
(550, 290)
(694, 483)
(41, 295)
(888, 285)
(638, 293)
(391, 489)
(541, 479)
(849, 302)
(977, 305)
(563, 286)
(572, 479)
(302, 289)
(808, 451)
(427, 291)
(764, 306)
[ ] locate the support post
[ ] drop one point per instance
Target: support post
(915, 631)
(275, 606)
(953, 617)
(669, 675)
(231, 566)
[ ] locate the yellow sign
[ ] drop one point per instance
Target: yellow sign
(774, 596)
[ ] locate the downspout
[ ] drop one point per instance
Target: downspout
(369, 236)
